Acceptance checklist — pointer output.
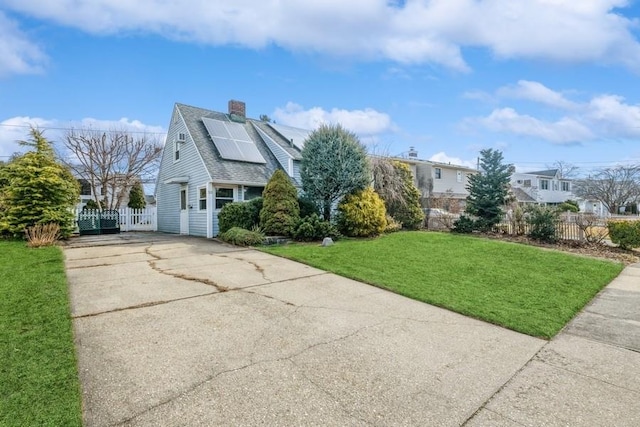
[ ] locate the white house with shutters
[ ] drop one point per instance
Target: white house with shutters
(212, 158)
(548, 187)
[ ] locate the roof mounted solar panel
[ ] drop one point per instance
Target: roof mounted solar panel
(296, 136)
(232, 141)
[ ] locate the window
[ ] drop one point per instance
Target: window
(176, 150)
(544, 184)
(202, 198)
(85, 187)
(564, 185)
(223, 196)
(250, 193)
(459, 176)
(527, 183)
(182, 137)
(438, 173)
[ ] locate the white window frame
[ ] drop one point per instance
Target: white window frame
(176, 151)
(202, 199)
(459, 176)
(544, 184)
(216, 198)
(566, 184)
(438, 173)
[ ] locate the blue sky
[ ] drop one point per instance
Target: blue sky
(541, 80)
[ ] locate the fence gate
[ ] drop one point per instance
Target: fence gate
(92, 221)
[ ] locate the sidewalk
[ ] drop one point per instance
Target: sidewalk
(175, 331)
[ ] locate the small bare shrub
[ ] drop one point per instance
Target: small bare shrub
(42, 235)
(591, 227)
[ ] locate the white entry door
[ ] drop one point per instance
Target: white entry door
(184, 212)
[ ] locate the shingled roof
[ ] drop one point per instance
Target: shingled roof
(226, 170)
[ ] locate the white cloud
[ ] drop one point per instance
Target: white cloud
(614, 117)
(537, 92)
(442, 157)
(413, 31)
(18, 55)
(365, 122)
(563, 131)
(601, 117)
(17, 129)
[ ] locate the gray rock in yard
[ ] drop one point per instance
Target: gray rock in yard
(327, 241)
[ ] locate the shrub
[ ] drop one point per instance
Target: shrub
(362, 214)
(240, 214)
(568, 206)
(42, 235)
(307, 206)
(626, 234)
(91, 205)
(464, 224)
(392, 225)
(241, 237)
(313, 228)
(280, 210)
(542, 221)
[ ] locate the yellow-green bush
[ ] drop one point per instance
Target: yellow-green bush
(625, 233)
(362, 214)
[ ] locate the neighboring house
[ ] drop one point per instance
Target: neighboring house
(86, 194)
(437, 180)
(547, 187)
(212, 158)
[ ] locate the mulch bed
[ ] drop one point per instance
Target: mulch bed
(595, 250)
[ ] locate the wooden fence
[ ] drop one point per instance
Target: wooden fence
(568, 227)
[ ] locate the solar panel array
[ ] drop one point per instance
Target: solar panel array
(232, 141)
(295, 135)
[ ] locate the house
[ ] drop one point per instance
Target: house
(441, 185)
(117, 197)
(549, 188)
(212, 158)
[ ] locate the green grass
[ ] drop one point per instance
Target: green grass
(524, 288)
(38, 370)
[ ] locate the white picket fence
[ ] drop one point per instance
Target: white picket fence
(136, 219)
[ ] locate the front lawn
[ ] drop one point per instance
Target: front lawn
(38, 371)
(524, 288)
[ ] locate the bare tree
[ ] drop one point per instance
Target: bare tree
(566, 170)
(111, 161)
(614, 187)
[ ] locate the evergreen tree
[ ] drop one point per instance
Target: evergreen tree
(280, 210)
(488, 190)
(334, 164)
(136, 196)
(37, 190)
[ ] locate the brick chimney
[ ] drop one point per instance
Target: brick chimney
(237, 111)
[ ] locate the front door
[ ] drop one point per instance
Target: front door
(184, 212)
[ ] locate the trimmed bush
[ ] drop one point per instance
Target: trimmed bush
(464, 224)
(362, 214)
(240, 214)
(542, 221)
(626, 234)
(313, 228)
(241, 237)
(307, 206)
(280, 210)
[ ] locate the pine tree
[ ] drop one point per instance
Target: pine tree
(280, 209)
(488, 190)
(136, 196)
(37, 190)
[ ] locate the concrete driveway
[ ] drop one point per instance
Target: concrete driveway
(180, 331)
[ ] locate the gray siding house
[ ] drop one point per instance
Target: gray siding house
(212, 158)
